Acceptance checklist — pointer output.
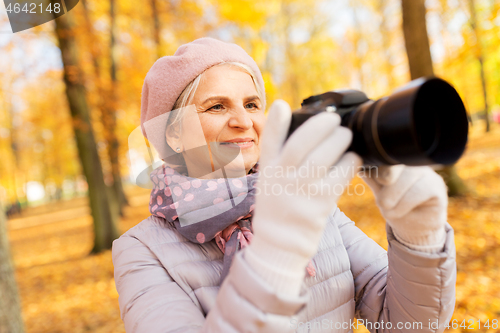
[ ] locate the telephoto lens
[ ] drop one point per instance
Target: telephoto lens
(421, 123)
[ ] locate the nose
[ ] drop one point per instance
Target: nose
(240, 119)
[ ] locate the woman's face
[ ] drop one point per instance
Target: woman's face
(230, 114)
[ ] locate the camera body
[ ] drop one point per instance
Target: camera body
(422, 123)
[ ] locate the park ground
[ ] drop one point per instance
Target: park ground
(63, 289)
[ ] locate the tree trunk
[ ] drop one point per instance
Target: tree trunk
(105, 230)
(11, 320)
(13, 138)
(480, 58)
(107, 106)
(359, 58)
(386, 43)
(290, 56)
(420, 61)
(156, 28)
(416, 38)
(113, 144)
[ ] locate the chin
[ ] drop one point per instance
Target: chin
(250, 159)
(236, 170)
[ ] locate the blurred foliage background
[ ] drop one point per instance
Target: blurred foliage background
(63, 159)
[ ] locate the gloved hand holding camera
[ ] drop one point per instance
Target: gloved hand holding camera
(414, 202)
(421, 124)
(409, 127)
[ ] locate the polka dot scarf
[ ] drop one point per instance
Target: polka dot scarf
(206, 209)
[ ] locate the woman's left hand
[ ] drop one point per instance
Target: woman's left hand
(414, 202)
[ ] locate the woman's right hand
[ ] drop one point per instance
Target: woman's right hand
(296, 191)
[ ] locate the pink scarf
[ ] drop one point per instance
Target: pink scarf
(206, 209)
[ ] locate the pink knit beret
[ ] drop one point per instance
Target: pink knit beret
(169, 75)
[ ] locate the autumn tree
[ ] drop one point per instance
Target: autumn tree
(420, 61)
(300, 59)
(358, 56)
(11, 320)
(107, 100)
(110, 115)
(385, 32)
(105, 229)
(156, 28)
(14, 136)
(479, 54)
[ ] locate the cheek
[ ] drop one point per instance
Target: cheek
(258, 123)
(192, 133)
(212, 126)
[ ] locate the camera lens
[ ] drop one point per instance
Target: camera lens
(439, 112)
(422, 123)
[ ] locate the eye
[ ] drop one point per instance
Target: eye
(252, 106)
(216, 107)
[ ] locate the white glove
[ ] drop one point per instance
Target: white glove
(291, 210)
(414, 202)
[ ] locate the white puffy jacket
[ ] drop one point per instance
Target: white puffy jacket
(168, 284)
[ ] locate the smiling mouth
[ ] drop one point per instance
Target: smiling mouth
(230, 143)
(243, 144)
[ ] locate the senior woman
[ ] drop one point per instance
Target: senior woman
(238, 240)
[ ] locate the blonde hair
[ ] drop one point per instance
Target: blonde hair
(186, 98)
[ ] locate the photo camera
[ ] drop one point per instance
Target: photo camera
(421, 123)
